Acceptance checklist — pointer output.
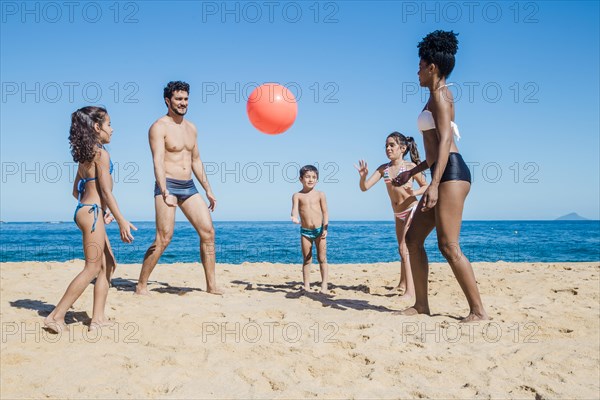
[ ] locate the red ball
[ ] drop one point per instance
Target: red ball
(272, 108)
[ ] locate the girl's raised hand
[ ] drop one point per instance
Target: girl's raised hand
(362, 168)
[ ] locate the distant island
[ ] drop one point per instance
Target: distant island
(571, 217)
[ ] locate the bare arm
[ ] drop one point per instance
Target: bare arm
(441, 111)
(406, 175)
(363, 170)
(325, 213)
(104, 178)
(294, 216)
(420, 178)
(156, 136)
(198, 169)
(76, 185)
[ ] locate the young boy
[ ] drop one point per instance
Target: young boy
(309, 208)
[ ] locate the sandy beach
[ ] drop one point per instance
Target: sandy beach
(262, 339)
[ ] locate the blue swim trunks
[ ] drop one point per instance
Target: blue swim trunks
(178, 188)
(311, 233)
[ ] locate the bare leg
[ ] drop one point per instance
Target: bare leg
(196, 211)
(406, 279)
(449, 209)
(420, 227)
(306, 245)
(93, 248)
(165, 223)
(323, 266)
(401, 287)
(100, 293)
(111, 262)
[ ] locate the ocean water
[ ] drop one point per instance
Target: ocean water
(279, 242)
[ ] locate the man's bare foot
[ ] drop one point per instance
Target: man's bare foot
(142, 290)
(414, 310)
(98, 325)
(55, 326)
(324, 289)
(474, 317)
(216, 291)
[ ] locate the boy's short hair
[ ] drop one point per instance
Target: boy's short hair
(308, 168)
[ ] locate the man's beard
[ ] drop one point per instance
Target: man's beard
(176, 111)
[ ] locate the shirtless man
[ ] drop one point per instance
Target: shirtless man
(175, 155)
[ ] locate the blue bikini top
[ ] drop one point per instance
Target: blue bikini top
(83, 181)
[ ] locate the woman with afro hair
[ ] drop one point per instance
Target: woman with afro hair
(441, 206)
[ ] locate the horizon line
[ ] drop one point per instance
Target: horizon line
(340, 220)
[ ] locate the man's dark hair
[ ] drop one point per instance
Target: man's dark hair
(175, 86)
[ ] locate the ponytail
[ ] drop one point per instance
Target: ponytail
(411, 146)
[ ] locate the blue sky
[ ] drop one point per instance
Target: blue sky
(526, 85)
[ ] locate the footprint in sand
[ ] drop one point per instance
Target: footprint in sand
(275, 314)
(346, 345)
(362, 358)
(572, 291)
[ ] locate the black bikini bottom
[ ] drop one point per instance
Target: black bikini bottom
(456, 169)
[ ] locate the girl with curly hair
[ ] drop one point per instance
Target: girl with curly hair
(441, 206)
(90, 131)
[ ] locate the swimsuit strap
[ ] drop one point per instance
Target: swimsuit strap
(81, 186)
(446, 85)
(94, 209)
(111, 168)
(386, 172)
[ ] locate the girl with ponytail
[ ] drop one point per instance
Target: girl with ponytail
(90, 131)
(403, 198)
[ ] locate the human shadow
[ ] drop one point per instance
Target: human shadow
(180, 291)
(44, 309)
(123, 285)
(129, 285)
(294, 290)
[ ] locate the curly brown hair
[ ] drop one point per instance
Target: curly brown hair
(82, 135)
